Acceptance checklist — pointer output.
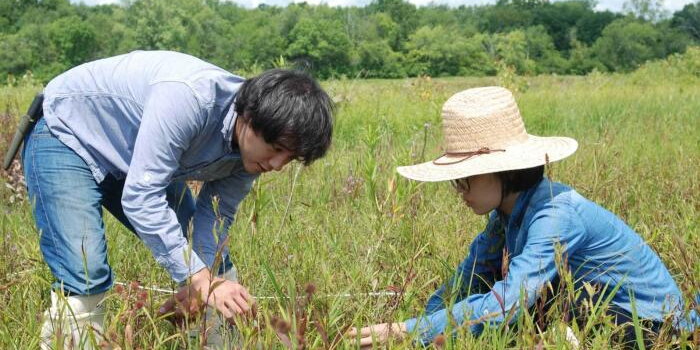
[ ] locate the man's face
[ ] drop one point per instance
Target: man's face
(259, 156)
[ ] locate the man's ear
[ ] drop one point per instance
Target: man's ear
(245, 121)
(246, 117)
(241, 125)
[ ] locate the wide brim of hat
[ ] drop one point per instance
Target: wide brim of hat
(534, 152)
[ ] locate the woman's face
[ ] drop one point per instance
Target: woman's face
(481, 193)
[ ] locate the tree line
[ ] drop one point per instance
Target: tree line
(385, 39)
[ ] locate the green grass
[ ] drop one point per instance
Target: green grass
(354, 226)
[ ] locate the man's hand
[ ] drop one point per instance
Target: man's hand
(228, 297)
(378, 334)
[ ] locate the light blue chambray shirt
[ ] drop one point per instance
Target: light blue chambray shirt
(600, 249)
(154, 118)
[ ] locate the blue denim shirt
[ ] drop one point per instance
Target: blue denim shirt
(152, 118)
(549, 223)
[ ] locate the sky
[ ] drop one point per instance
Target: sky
(612, 5)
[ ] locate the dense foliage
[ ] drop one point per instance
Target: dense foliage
(387, 38)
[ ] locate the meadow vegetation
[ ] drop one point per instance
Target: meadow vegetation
(384, 39)
(350, 224)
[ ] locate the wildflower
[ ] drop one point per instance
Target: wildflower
(119, 289)
(439, 341)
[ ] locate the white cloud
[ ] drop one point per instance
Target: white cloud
(255, 3)
(95, 2)
(612, 5)
(675, 5)
(617, 5)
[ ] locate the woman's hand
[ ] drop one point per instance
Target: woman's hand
(378, 334)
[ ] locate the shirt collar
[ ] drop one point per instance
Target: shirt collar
(228, 127)
(521, 204)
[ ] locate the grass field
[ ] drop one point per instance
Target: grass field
(349, 224)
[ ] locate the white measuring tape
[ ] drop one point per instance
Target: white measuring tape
(340, 295)
(374, 294)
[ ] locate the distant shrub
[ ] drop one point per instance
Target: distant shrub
(677, 65)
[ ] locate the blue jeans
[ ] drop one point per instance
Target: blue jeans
(67, 204)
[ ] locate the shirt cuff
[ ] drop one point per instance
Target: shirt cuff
(181, 263)
(420, 327)
(410, 325)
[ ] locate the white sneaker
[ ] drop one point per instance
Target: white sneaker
(73, 322)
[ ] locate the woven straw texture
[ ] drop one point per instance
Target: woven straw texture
(487, 118)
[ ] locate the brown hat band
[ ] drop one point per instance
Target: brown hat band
(465, 155)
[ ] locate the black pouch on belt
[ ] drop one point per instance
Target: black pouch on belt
(25, 125)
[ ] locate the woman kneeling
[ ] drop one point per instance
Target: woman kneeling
(535, 226)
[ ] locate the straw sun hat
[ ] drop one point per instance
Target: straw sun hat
(484, 133)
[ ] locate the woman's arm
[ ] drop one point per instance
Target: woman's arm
(477, 272)
(527, 273)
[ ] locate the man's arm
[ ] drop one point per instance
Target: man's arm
(172, 117)
(528, 272)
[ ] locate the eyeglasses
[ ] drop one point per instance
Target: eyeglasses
(461, 185)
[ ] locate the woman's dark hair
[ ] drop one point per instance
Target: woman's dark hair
(288, 108)
(520, 180)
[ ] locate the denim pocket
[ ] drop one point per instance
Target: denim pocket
(41, 129)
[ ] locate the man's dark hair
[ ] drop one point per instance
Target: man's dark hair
(288, 108)
(520, 180)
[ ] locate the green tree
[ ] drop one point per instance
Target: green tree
(114, 36)
(10, 11)
(541, 49)
(560, 20)
(437, 15)
(671, 39)
(74, 39)
(16, 54)
(650, 10)
(625, 44)
(384, 27)
(253, 40)
(511, 49)
(688, 20)
(30, 49)
(320, 45)
(402, 13)
(590, 26)
(430, 52)
(505, 16)
(14, 14)
(172, 25)
(582, 60)
(373, 55)
(387, 38)
(376, 59)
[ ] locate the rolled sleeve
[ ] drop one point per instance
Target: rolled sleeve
(172, 117)
(527, 273)
(216, 208)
